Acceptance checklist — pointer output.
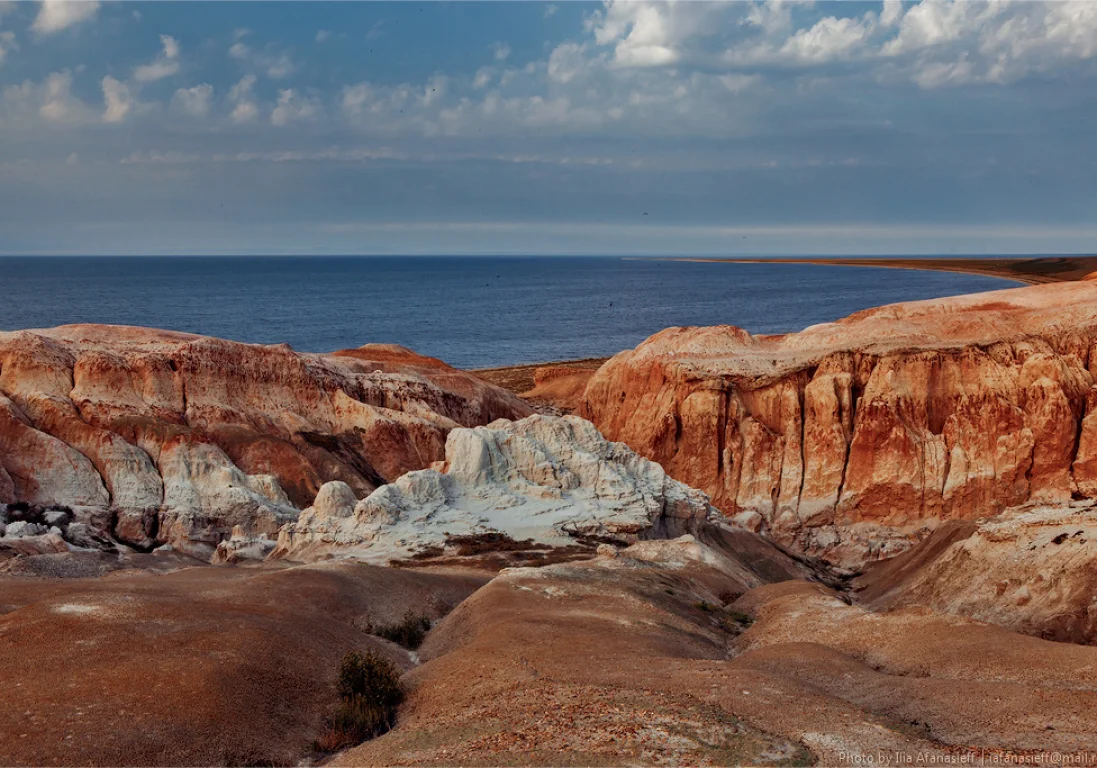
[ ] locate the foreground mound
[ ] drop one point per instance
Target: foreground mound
(656, 656)
(552, 481)
(1031, 569)
(203, 666)
(158, 437)
(853, 439)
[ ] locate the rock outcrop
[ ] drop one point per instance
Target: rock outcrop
(552, 480)
(176, 438)
(1031, 569)
(852, 440)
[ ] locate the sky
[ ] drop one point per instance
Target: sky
(649, 128)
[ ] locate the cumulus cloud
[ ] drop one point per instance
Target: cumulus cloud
(550, 10)
(166, 64)
(242, 100)
(57, 15)
(117, 100)
(196, 101)
(274, 63)
(355, 98)
(501, 51)
(292, 106)
(434, 90)
(323, 35)
(565, 62)
(7, 43)
(482, 78)
(58, 103)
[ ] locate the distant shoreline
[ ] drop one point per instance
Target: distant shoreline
(1033, 271)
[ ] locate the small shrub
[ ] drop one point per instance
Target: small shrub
(369, 686)
(706, 606)
(729, 597)
(409, 632)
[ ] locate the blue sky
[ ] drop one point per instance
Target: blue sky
(529, 127)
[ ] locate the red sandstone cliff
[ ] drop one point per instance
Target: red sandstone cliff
(853, 439)
(171, 437)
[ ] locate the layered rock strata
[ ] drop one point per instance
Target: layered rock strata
(852, 440)
(173, 438)
(1031, 569)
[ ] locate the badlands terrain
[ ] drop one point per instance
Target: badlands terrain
(870, 542)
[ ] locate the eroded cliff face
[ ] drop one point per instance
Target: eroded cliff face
(176, 438)
(1031, 569)
(852, 440)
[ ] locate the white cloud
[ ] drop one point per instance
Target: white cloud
(565, 62)
(649, 34)
(501, 51)
(275, 64)
(550, 10)
(355, 98)
(483, 78)
(58, 104)
(737, 83)
(829, 39)
(7, 43)
(117, 100)
(434, 90)
(323, 35)
(292, 107)
(936, 75)
(242, 98)
(166, 64)
(193, 102)
(56, 15)
(891, 13)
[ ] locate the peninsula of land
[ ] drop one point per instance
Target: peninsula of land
(1031, 270)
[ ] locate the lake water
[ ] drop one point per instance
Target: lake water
(471, 312)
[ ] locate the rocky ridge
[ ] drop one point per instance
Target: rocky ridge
(156, 437)
(853, 440)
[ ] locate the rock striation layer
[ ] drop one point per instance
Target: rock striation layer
(172, 438)
(1031, 569)
(554, 480)
(852, 440)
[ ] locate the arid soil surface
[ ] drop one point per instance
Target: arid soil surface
(549, 387)
(201, 666)
(623, 661)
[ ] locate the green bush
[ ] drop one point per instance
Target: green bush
(408, 632)
(369, 686)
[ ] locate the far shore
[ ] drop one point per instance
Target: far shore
(1031, 270)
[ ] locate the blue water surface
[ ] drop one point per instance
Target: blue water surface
(471, 312)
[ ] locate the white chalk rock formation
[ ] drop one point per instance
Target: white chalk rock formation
(544, 478)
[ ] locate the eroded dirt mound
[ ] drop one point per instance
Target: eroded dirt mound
(655, 657)
(203, 666)
(1030, 569)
